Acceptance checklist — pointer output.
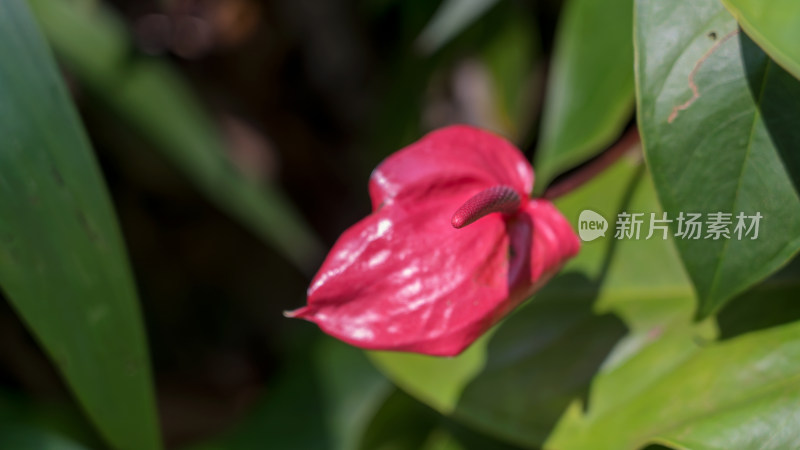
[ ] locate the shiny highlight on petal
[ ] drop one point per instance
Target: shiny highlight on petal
(504, 199)
(401, 279)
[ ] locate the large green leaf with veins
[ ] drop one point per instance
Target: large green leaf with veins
(718, 120)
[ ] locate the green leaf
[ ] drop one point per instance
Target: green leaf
(774, 25)
(400, 423)
(517, 381)
(149, 97)
(749, 312)
(510, 56)
(719, 124)
(352, 388)
(452, 17)
(59, 421)
(404, 423)
(590, 86)
(62, 262)
(23, 437)
(687, 393)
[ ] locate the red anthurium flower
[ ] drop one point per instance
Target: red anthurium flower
(453, 245)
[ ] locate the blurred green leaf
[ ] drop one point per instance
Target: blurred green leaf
(774, 25)
(750, 312)
(400, 423)
(62, 263)
(352, 391)
(510, 55)
(438, 382)
(590, 87)
(452, 17)
(686, 393)
(403, 423)
(52, 420)
(719, 125)
(146, 94)
(22, 437)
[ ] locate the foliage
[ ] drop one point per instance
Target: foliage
(674, 341)
(62, 263)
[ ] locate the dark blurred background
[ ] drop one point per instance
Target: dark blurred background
(309, 96)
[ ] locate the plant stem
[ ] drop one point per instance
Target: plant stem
(594, 167)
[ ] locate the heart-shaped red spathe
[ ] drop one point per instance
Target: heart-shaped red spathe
(405, 279)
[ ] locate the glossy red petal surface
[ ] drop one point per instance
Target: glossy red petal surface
(458, 154)
(410, 281)
(404, 279)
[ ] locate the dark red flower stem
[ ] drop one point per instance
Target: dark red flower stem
(594, 167)
(502, 199)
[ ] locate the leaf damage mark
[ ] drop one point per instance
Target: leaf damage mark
(86, 225)
(57, 176)
(692, 84)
